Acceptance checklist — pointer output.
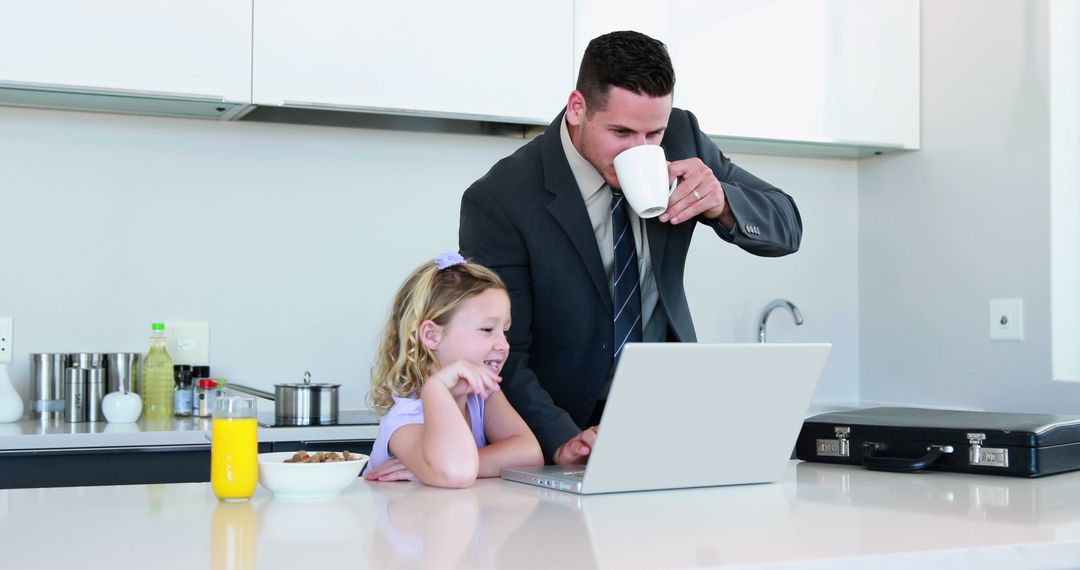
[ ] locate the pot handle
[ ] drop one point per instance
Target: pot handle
(248, 390)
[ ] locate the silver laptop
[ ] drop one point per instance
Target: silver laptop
(694, 415)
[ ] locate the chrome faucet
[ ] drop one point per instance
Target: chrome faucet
(776, 304)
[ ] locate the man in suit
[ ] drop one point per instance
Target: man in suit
(584, 273)
(543, 219)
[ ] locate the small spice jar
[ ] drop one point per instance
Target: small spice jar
(203, 401)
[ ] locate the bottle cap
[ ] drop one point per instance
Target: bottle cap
(157, 327)
(207, 383)
(182, 374)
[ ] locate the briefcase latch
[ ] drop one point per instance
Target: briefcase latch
(838, 447)
(985, 456)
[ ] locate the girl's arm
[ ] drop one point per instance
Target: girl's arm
(442, 451)
(510, 441)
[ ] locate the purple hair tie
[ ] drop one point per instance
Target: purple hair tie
(449, 260)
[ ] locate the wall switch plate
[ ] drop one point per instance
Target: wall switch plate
(1006, 319)
(188, 342)
(7, 330)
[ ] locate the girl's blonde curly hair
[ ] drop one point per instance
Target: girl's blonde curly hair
(403, 362)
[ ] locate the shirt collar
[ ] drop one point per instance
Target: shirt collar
(588, 179)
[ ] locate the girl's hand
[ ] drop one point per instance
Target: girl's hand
(463, 378)
(393, 470)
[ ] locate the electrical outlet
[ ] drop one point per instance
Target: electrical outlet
(188, 342)
(1007, 319)
(6, 332)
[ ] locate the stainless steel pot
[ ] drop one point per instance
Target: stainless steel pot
(299, 403)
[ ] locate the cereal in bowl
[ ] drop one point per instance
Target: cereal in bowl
(322, 457)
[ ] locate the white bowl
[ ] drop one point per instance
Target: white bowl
(306, 480)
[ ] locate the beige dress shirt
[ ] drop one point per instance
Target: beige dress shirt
(597, 195)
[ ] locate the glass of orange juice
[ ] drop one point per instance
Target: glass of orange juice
(234, 448)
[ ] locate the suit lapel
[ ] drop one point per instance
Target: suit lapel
(568, 208)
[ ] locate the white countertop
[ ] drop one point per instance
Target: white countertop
(31, 434)
(819, 516)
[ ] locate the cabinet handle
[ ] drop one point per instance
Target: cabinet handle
(86, 90)
(411, 112)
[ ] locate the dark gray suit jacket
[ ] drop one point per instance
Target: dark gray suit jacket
(526, 219)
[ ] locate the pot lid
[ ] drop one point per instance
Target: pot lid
(306, 383)
(303, 386)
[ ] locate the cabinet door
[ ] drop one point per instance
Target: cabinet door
(196, 47)
(480, 58)
(830, 71)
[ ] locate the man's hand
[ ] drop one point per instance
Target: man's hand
(393, 470)
(577, 450)
(698, 192)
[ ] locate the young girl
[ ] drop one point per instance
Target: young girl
(436, 382)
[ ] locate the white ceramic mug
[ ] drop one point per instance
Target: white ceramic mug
(643, 176)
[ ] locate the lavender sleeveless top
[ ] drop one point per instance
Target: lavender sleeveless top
(406, 411)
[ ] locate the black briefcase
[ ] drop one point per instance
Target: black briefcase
(910, 439)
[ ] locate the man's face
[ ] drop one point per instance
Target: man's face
(627, 121)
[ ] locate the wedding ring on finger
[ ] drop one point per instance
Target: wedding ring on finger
(697, 195)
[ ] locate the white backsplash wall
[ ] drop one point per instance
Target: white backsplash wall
(728, 287)
(290, 241)
(964, 220)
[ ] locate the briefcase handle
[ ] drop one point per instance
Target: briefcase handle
(872, 460)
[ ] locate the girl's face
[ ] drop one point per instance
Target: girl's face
(477, 331)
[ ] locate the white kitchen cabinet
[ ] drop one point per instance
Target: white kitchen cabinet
(508, 61)
(835, 72)
(129, 55)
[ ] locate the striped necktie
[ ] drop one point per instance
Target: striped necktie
(627, 290)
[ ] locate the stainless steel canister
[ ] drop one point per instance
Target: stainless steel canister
(47, 386)
(123, 371)
(95, 392)
(75, 394)
(86, 360)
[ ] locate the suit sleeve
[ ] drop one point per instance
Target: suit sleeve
(487, 236)
(767, 222)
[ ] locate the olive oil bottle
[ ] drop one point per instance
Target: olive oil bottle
(157, 377)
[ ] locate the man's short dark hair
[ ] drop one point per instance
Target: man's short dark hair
(630, 60)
